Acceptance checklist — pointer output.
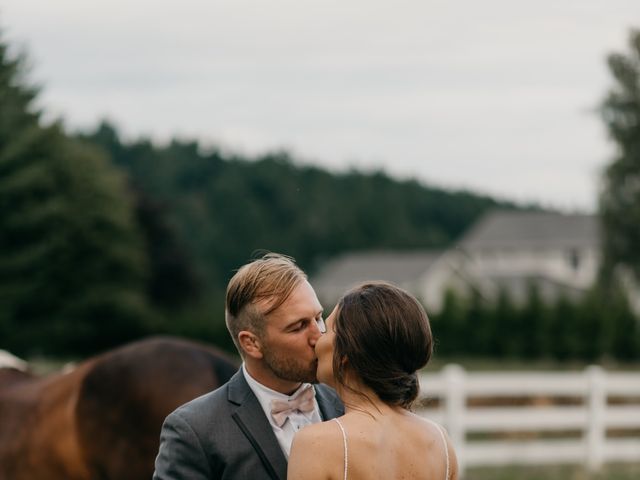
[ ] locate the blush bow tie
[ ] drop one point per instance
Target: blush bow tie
(302, 402)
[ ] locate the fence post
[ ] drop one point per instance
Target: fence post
(596, 428)
(455, 405)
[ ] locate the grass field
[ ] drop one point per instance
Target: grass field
(609, 472)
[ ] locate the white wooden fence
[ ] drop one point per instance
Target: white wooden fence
(591, 413)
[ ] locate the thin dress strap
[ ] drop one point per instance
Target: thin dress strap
(444, 443)
(346, 453)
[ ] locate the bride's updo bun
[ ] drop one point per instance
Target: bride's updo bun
(383, 336)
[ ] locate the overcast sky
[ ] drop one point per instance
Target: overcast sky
(498, 96)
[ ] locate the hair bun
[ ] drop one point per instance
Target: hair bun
(385, 334)
(401, 390)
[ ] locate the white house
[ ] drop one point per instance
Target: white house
(507, 250)
(403, 268)
(559, 253)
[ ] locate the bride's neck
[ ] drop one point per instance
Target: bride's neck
(359, 398)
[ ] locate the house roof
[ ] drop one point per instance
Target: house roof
(398, 267)
(506, 229)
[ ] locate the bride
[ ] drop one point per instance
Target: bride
(376, 338)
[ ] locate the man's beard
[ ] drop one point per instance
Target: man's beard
(289, 369)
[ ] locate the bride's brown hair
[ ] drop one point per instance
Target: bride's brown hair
(383, 335)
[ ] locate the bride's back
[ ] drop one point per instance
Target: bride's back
(392, 447)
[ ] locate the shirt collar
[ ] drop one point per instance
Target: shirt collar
(267, 393)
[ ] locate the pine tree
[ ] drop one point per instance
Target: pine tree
(620, 199)
(449, 326)
(624, 328)
(72, 265)
(534, 324)
(502, 338)
(565, 337)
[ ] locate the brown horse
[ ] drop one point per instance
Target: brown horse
(102, 419)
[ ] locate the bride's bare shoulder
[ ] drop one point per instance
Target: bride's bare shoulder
(318, 433)
(314, 450)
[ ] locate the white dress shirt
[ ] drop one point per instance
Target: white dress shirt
(294, 422)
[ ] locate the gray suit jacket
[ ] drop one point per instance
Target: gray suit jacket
(226, 435)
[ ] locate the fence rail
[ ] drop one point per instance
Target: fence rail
(593, 416)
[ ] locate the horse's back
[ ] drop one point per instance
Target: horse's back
(103, 419)
(126, 396)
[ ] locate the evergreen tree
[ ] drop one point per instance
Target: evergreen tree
(565, 336)
(620, 199)
(479, 321)
(450, 326)
(594, 325)
(173, 282)
(503, 314)
(71, 261)
(534, 325)
(624, 328)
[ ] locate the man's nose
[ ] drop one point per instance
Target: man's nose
(314, 334)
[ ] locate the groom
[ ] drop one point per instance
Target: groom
(244, 429)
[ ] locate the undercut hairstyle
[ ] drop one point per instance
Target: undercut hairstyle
(267, 281)
(382, 334)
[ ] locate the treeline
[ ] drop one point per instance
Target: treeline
(601, 325)
(103, 241)
(209, 211)
(224, 206)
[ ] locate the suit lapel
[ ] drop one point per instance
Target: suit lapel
(251, 419)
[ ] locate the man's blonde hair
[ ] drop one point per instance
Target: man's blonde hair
(269, 280)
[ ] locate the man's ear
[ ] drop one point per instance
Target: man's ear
(250, 344)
